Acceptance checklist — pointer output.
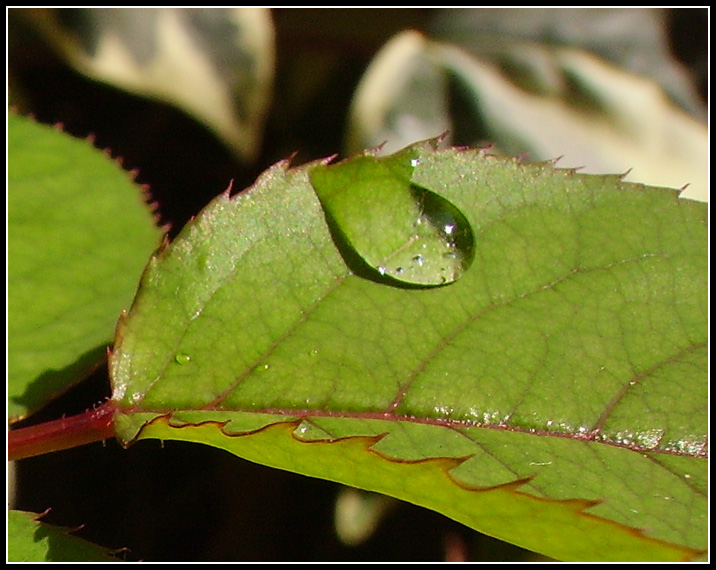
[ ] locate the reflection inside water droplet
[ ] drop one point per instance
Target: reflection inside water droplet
(439, 246)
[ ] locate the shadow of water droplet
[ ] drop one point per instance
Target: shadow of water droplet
(390, 230)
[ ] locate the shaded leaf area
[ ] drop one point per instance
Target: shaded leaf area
(79, 234)
(30, 540)
(545, 371)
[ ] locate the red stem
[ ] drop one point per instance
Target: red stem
(96, 424)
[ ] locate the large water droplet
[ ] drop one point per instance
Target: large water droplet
(404, 233)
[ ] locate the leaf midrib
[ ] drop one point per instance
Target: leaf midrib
(302, 414)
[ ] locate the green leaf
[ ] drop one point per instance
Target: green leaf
(79, 235)
(30, 540)
(531, 399)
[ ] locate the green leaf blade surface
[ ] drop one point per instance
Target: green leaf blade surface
(79, 234)
(546, 370)
(31, 540)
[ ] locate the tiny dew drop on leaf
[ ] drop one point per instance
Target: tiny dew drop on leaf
(182, 358)
(406, 234)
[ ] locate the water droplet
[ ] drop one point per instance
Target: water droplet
(182, 358)
(443, 411)
(403, 232)
(649, 438)
(694, 444)
(203, 262)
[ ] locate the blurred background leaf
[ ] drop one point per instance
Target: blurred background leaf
(217, 65)
(536, 82)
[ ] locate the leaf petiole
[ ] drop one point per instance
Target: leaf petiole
(96, 424)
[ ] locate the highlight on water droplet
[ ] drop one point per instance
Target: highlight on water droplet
(403, 232)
